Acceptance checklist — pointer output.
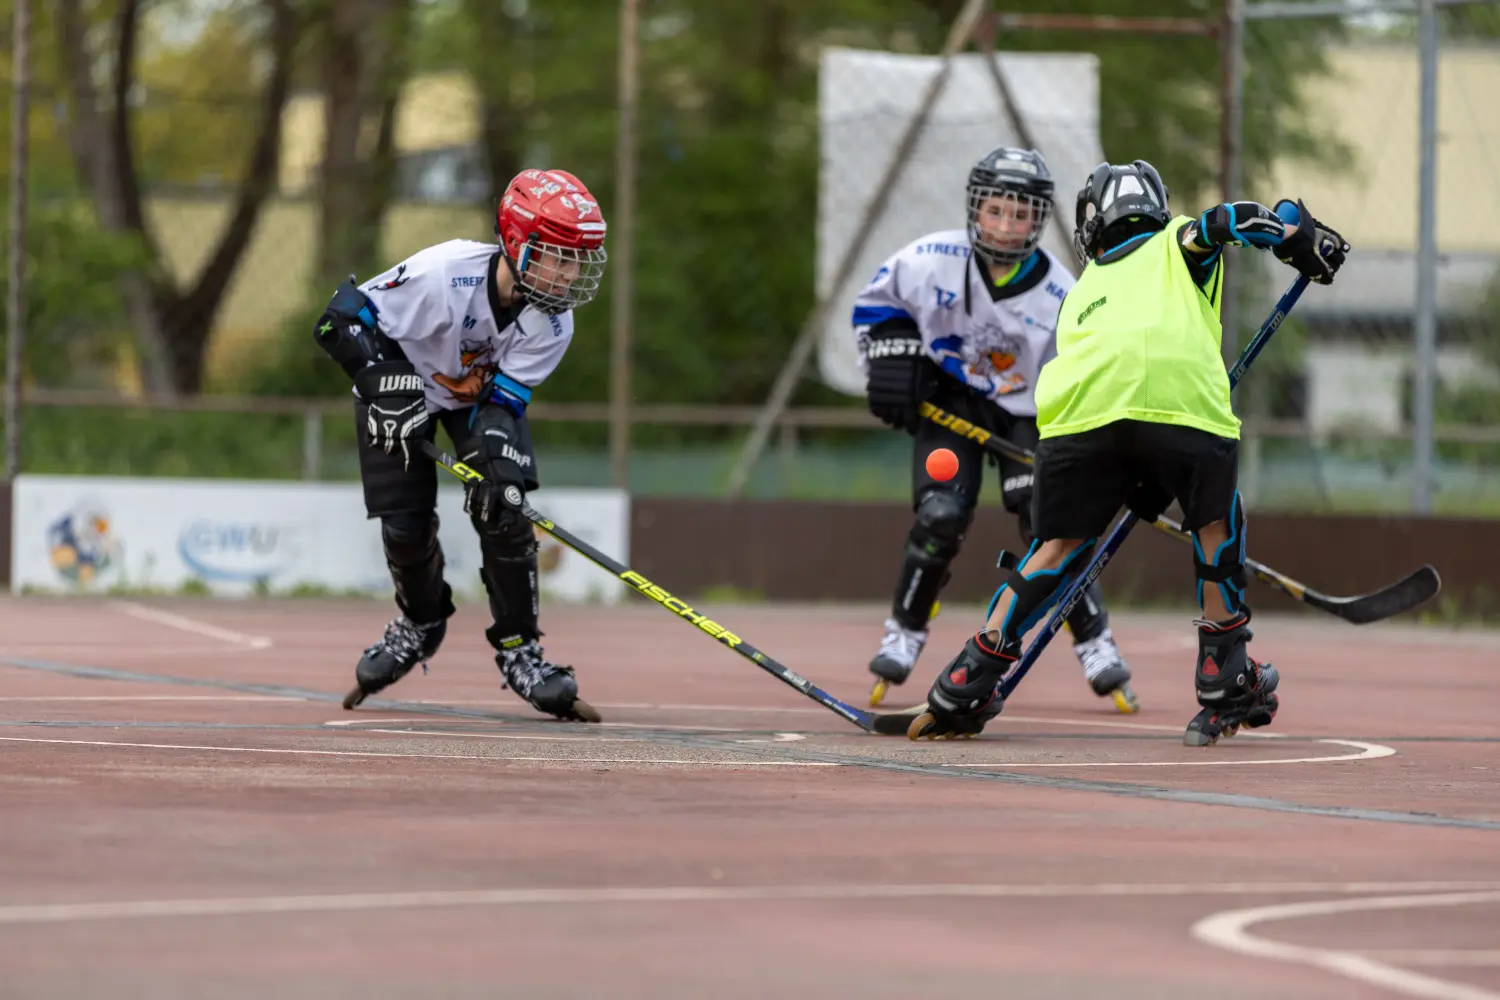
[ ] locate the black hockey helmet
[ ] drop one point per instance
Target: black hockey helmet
(1123, 199)
(1021, 184)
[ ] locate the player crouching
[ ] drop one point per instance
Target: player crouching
(1135, 411)
(464, 331)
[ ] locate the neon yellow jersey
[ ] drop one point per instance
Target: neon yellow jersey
(1137, 339)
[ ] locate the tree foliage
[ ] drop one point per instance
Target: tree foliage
(728, 171)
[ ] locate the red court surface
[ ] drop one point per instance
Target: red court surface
(188, 812)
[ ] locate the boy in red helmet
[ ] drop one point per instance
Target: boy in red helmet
(460, 334)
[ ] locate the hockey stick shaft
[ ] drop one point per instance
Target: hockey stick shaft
(660, 595)
(1121, 530)
(1360, 610)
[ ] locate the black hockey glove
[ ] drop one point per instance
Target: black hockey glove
(898, 377)
(397, 410)
(1314, 250)
(497, 455)
(488, 499)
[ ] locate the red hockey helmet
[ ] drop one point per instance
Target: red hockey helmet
(552, 232)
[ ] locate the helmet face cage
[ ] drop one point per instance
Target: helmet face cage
(555, 278)
(1010, 197)
(552, 235)
(998, 216)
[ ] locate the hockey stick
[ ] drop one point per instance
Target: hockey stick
(1122, 527)
(1416, 587)
(513, 497)
(890, 723)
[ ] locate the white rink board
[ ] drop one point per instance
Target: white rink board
(89, 534)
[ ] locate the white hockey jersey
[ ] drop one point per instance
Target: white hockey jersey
(441, 306)
(995, 347)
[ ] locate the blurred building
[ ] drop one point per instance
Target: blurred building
(1359, 363)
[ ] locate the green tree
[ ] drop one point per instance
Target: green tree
(172, 323)
(77, 330)
(728, 146)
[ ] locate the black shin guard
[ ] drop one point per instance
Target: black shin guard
(509, 550)
(415, 560)
(935, 538)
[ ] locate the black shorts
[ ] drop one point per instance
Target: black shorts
(393, 485)
(1015, 477)
(1083, 480)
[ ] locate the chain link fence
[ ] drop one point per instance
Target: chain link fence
(1334, 417)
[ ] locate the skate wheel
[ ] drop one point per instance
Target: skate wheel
(1126, 703)
(584, 712)
(922, 727)
(877, 693)
(353, 698)
(937, 609)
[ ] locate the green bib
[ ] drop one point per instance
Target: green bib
(1137, 339)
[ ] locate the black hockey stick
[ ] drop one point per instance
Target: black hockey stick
(514, 498)
(1074, 591)
(1417, 587)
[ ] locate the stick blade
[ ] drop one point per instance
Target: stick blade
(1416, 588)
(895, 723)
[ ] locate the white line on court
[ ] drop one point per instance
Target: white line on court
(500, 758)
(184, 624)
(1437, 956)
(148, 697)
(777, 738)
(1366, 751)
(1229, 930)
(359, 724)
(54, 913)
(89, 649)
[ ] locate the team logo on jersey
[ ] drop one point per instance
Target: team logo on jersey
(477, 361)
(984, 359)
(400, 279)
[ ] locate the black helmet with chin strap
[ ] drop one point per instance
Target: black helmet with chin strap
(1122, 200)
(1015, 175)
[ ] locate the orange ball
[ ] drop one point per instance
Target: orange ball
(942, 464)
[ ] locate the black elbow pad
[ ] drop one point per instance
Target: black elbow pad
(347, 331)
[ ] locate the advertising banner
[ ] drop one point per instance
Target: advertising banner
(88, 534)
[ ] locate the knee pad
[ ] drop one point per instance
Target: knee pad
(1226, 568)
(943, 518)
(509, 536)
(935, 538)
(410, 539)
(1035, 593)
